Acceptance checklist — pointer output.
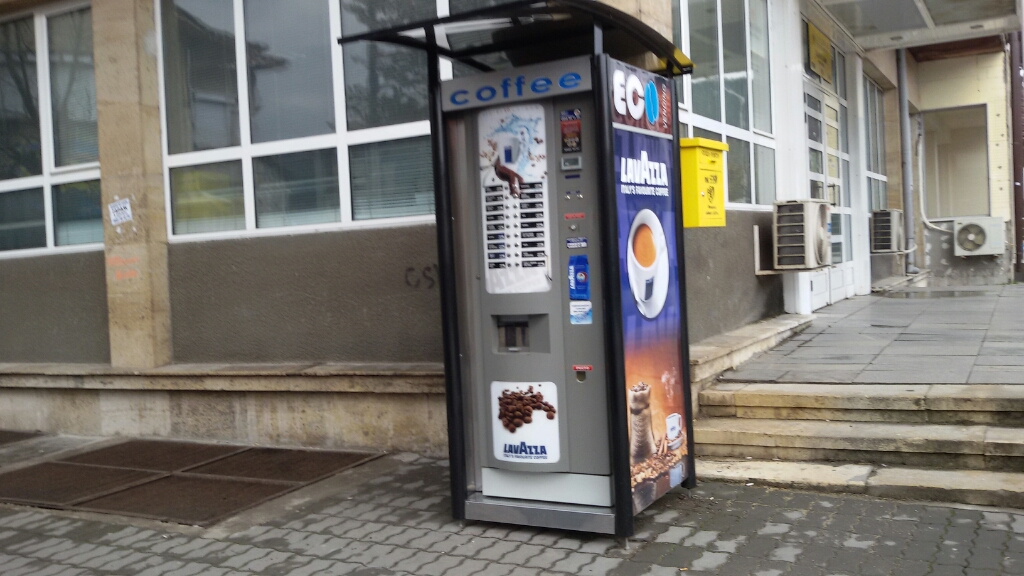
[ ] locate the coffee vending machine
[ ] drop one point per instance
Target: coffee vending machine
(574, 402)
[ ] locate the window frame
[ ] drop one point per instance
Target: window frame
(341, 140)
(751, 135)
(876, 151)
(51, 175)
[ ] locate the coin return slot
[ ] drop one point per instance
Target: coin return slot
(581, 375)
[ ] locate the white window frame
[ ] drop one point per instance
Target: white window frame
(52, 175)
(340, 140)
(870, 84)
(721, 127)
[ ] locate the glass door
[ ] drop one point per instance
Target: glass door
(829, 179)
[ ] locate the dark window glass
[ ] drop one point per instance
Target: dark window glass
(702, 133)
(738, 160)
(73, 88)
(77, 218)
(457, 6)
(200, 75)
(764, 168)
(22, 220)
(392, 178)
(384, 84)
(19, 101)
(734, 48)
(706, 79)
(291, 87)
(295, 189)
(207, 198)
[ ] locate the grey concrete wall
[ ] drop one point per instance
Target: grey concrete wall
(722, 291)
(887, 265)
(368, 295)
(950, 270)
(53, 308)
(372, 295)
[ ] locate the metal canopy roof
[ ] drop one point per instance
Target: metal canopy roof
(521, 32)
(905, 23)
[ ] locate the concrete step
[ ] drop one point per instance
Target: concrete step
(977, 487)
(992, 405)
(954, 447)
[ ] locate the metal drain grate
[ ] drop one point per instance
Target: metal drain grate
(282, 465)
(185, 482)
(189, 499)
(10, 436)
(55, 484)
(154, 455)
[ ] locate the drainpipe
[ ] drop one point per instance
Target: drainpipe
(906, 152)
(1017, 132)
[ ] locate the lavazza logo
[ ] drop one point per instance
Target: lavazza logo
(524, 451)
(632, 96)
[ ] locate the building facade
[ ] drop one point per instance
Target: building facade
(217, 223)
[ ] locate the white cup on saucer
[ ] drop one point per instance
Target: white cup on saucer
(641, 276)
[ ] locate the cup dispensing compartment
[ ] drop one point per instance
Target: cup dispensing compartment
(520, 333)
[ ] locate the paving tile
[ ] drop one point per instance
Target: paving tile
(997, 375)
(883, 375)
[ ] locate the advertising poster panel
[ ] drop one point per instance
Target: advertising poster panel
(649, 282)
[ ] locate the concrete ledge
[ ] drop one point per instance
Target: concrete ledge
(712, 356)
(363, 378)
(976, 487)
(809, 476)
(359, 420)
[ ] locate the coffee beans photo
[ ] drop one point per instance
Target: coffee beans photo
(515, 409)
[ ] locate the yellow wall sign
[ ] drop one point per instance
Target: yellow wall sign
(702, 166)
(819, 50)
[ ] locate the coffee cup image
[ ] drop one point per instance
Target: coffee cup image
(674, 433)
(647, 262)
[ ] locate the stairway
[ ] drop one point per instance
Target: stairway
(960, 443)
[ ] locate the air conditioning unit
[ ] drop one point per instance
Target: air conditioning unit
(887, 231)
(802, 231)
(979, 236)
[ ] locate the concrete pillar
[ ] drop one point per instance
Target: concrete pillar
(655, 13)
(127, 100)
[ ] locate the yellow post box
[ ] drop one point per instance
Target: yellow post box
(702, 166)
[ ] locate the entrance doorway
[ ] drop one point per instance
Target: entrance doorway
(825, 117)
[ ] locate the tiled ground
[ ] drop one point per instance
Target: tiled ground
(977, 338)
(391, 516)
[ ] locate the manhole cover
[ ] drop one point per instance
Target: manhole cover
(57, 484)
(188, 499)
(282, 465)
(154, 455)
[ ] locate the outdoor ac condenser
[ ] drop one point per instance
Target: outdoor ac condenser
(887, 231)
(802, 232)
(979, 236)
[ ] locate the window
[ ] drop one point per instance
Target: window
(956, 162)
(49, 170)
(271, 125)
(730, 91)
(874, 139)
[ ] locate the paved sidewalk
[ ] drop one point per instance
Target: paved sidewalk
(923, 336)
(391, 517)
